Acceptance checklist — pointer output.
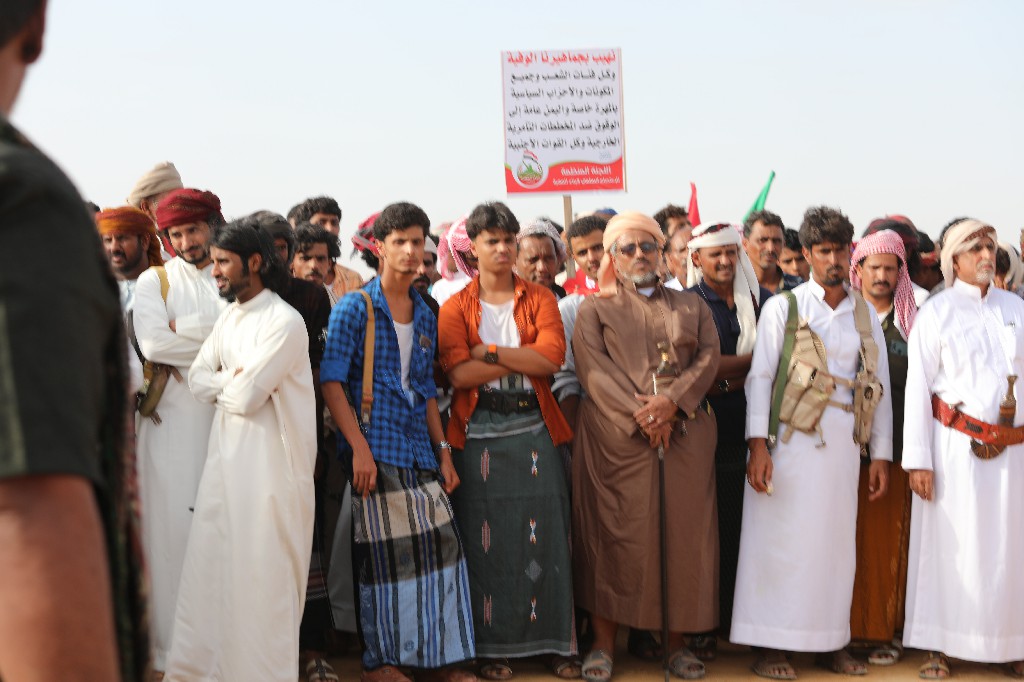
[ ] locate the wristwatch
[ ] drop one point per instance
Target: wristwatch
(444, 445)
(491, 356)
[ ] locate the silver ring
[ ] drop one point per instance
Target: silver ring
(650, 418)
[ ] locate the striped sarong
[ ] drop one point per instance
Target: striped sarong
(414, 607)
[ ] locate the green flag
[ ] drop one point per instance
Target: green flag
(762, 198)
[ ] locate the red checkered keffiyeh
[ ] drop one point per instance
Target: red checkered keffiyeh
(888, 241)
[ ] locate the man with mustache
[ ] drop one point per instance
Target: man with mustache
(171, 453)
(722, 275)
(244, 579)
(881, 273)
(763, 240)
(541, 254)
(426, 273)
(794, 580)
(962, 450)
(619, 338)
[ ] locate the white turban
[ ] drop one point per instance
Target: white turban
(162, 178)
(959, 239)
(746, 290)
(543, 226)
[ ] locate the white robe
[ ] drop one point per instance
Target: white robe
(794, 582)
(243, 586)
(965, 590)
(170, 455)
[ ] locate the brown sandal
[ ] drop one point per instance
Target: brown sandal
(935, 667)
(774, 665)
(496, 669)
(319, 670)
(842, 663)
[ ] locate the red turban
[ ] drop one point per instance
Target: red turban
(888, 242)
(362, 240)
(183, 206)
(132, 220)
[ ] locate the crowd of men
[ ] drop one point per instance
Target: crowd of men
(509, 442)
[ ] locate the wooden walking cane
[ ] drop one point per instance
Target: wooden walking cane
(663, 377)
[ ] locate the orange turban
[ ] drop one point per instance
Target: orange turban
(133, 221)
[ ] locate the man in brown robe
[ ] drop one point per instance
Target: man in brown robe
(615, 458)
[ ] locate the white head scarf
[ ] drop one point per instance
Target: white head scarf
(746, 290)
(959, 239)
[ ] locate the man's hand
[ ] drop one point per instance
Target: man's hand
(654, 411)
(171, 325)
(451, 478)
(922, 482)
(660, 434)
(759, 466)
(478, 351)
(237, 372)
(364, 469)
(878, 479)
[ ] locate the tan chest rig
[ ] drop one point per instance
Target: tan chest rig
(803, 386)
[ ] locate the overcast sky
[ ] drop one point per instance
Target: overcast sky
(874, 106)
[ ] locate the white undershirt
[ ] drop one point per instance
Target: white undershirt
(498, 327)
(646, 291)
(404, 333)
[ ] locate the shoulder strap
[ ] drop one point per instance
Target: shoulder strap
(165, 285)
(371, 334)
(782, 373)
(862, 320)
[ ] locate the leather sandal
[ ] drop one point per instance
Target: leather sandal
(496, 669)
(684, 665)
(1013, 669)
(319, 670)
(935, 667)
(597, 666)
(566, 667)
(642, 644)
(705, 646)
(889, 654)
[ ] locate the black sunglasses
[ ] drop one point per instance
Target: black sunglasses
(629, 249)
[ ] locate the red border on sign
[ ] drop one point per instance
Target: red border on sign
(572, 177)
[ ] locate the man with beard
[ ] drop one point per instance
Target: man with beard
(540, 255)
(172, 447)
(722, 275)
(620, 337)
(880, 272)
(962, 449)
(310, 301)
(426, 273)
(794, 580)
(763, 239)
(132, 246)
(247, 562)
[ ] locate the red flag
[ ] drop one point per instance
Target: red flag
(694, 214)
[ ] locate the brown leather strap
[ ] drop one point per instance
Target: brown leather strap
(371, 335)
(990, 434)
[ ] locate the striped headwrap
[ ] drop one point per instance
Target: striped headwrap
(889, 242)
(458, 243)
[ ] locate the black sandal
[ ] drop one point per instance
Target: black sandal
(642, 644)
(705, 646)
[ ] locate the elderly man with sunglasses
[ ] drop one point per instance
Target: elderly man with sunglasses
(620, 339)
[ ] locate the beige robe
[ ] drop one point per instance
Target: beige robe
(617, 563)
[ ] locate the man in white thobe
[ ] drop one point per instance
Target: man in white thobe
(171, 451)
(965, 595)
(797, 560)
(243, 585)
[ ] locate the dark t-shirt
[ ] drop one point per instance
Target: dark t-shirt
(730, 408)
(312, 302)
(58, 322)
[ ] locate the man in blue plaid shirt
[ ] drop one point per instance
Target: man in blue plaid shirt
(405, 540)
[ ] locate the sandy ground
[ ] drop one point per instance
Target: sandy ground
(733, 663)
